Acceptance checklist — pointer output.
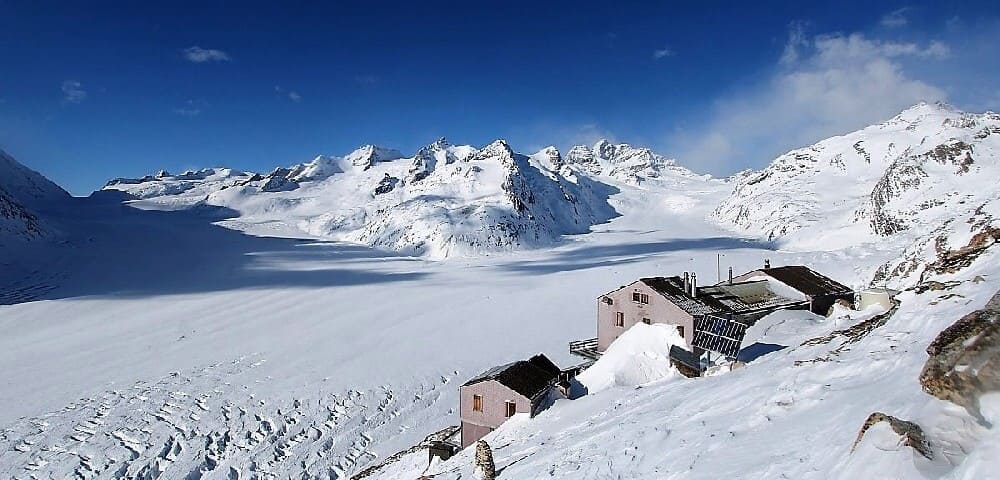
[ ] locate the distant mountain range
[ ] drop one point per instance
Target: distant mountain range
(924, 175)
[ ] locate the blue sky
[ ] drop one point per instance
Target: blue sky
(94, 90)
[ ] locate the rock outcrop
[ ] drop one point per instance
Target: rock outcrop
(484, 460)
(910, 433)
(964, 359)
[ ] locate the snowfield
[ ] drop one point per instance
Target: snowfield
(299, 324)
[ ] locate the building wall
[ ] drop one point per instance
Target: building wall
(495, 395)
(658, 310)
(471, 433)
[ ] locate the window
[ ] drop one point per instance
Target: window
(640, 297)
(477, 403)
(511, 408)
(619, 319)
(635, 296)
(647, 321)
(680, 330)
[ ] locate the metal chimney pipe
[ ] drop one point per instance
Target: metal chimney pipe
(694, 284)
(767, 263)
(687, 282)
(730, 275)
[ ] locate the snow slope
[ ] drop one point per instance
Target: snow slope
(791, 414)
(22, 193)
(928, 164)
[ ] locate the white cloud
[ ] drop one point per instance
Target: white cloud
(796, 41)
(197, 54)
(189, 109)
(73, 91)
(827, 85)
(895, 18)
(662, 53)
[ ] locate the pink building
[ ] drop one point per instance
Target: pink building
(501, 392)
(679, 300)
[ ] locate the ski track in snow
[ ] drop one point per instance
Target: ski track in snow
(209, 423)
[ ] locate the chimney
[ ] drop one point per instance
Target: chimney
(694, 284)
(687, 282)
(767, 263)
(730, 275)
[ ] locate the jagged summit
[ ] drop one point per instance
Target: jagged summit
(367, 156)
(623, 162)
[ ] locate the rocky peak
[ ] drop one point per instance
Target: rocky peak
(549, 157)
(499, 149)
(368, 155)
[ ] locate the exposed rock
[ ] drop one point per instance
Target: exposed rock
(950, 261)
(964, 359)
(279, 181)
(484, 460)
(386, 185)
(910, 433)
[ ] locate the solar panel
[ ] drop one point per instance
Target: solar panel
(721, 332)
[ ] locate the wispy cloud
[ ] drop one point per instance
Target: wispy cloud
(796, 42)
(197, 54)
(821, 86)
(290, 94)
(73, 91)
(662, 53)
(896, 18)
(189, 109)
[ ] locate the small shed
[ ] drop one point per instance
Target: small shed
(876, 296)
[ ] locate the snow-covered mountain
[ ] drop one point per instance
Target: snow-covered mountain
(927, 176)
(22, 193)
(622, 162)
(445, 200)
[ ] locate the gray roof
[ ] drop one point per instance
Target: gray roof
(806, 280)
(672, 288)
(530, 377)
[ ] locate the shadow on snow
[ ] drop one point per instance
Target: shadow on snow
(107, 248)
(596, 256)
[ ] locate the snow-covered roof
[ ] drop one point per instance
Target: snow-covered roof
(806, 280)
(747, 296)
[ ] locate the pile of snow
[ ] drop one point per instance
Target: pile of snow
(639, 356)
